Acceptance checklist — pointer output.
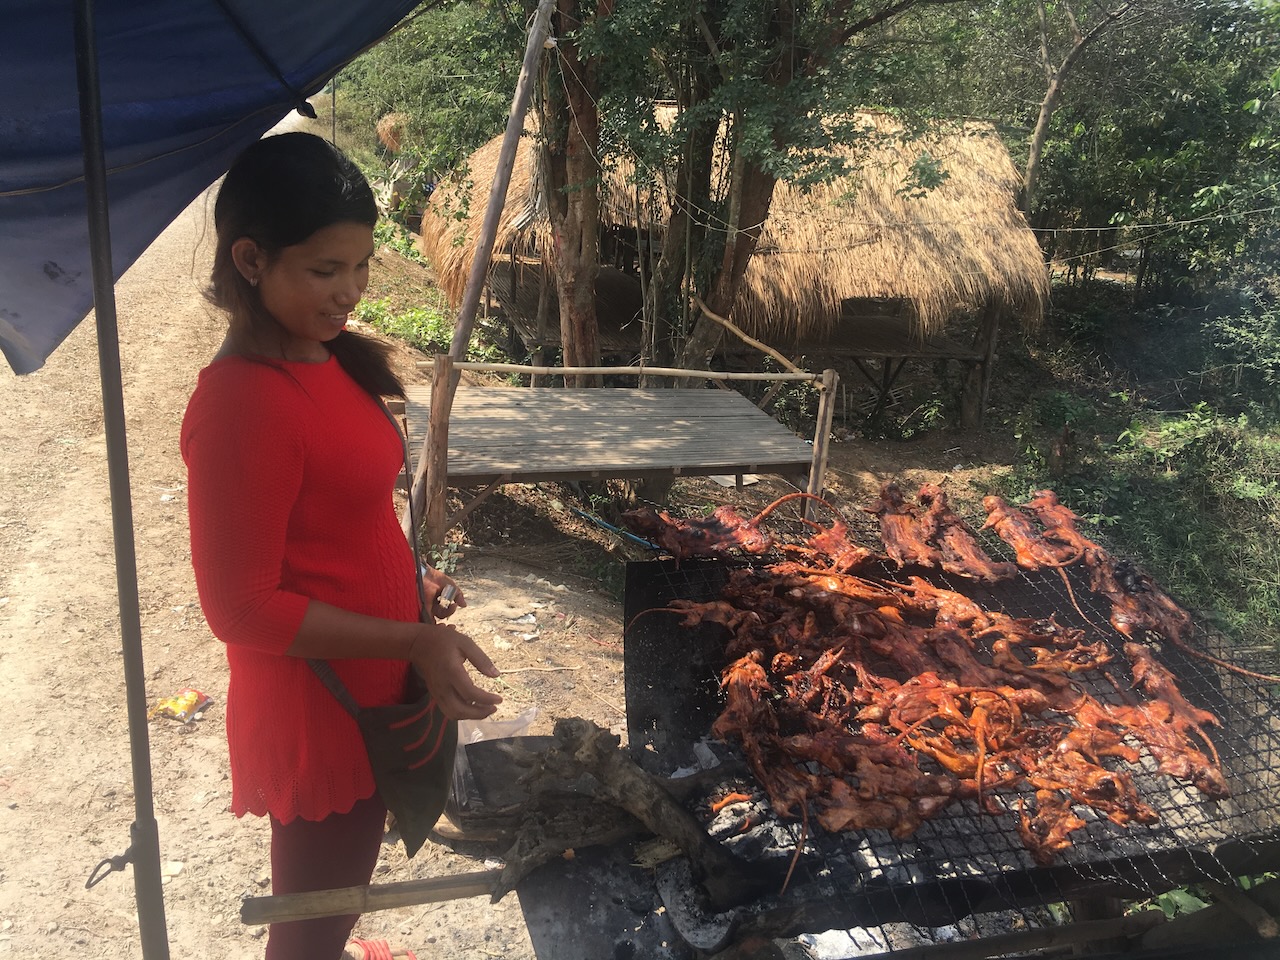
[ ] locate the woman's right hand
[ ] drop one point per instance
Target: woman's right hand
(441, 654)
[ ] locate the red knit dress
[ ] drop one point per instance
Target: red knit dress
(290, 472)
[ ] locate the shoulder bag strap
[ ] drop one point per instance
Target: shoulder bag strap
(322, 668)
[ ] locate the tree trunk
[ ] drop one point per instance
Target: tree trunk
(1038, 138)
(752, 192)
(684, 232)
(1057, 76)
(572, 185)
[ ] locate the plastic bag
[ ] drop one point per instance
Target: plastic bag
(463, 796)
(183, 705)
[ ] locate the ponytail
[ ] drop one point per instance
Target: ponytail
(368, 362)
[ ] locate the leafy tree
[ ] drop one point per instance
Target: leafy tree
(1177, 164)
(451, 71)
(759, 88)
(1162, 137)
(1065, 36)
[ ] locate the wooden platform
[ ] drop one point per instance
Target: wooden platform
(523, 434)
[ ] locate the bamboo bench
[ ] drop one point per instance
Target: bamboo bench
(498, 435)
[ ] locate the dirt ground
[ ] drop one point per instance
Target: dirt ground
(549, 619)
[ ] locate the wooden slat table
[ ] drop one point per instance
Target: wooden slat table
(526, 434)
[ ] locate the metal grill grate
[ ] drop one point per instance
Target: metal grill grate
(965, 873)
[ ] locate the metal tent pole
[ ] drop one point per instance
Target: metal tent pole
(144, 836)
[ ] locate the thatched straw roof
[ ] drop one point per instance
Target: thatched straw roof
(958, 248)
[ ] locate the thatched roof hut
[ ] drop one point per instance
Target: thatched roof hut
(855, 247)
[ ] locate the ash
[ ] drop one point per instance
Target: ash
(869, 941)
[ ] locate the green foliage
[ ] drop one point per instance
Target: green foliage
(1082, 313)
(1164, 141)
(427, 328)
(1173, 162)
(931, 414)
(1180, 901)
(451, 70)
(388, 233)
(795, 404)
(446, 557)
(1249, 344)
(1196, 495)
(926, 173)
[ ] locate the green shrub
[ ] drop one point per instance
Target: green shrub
(1247, 344)
(429, 328)
(388, 233)
(1195, 496)
(426, 328)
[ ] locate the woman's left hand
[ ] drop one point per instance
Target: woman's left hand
(434, 582)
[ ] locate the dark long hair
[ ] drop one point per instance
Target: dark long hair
(279, 192)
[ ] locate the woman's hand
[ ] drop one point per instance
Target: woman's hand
(441, 653)
(434, 582)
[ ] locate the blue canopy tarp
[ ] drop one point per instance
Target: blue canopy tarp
(117, 113)
(185, 85)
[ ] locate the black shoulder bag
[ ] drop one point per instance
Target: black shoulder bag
(410, 745)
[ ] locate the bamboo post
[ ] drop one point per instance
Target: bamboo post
(632, 371)
(988, 363)
(432, 476)
(1252, 913)
(1237, 916)
(348, 900)
(822, 436)
(543, 331)
(442, 393)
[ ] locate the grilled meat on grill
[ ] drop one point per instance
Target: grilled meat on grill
(727, 530)
(1032, 550)
(1156, 681)
(839, 686)
(1059, 521)
(905, 537)
(712, 536)
(1046, 833)
(958, 548)
(833, 544)
(1138, 603)
(932, 535)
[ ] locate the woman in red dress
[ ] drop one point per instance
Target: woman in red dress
(297, 549)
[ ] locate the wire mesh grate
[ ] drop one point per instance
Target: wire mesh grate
(966, 873)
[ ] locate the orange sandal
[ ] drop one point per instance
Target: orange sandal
(378, 950)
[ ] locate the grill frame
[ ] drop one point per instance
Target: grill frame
(966, 873)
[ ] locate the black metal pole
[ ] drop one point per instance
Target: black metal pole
(144, 836)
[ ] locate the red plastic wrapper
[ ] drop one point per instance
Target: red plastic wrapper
(182, 706)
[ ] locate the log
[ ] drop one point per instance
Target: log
(588, 761)
(524, 368)
(596, 795)
(1251, 912)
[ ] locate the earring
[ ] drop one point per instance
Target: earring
(253, 281)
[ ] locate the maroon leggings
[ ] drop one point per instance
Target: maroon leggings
(338, 851)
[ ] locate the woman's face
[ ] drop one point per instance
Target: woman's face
(311, 287)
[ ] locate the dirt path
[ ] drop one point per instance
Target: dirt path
(66, 799)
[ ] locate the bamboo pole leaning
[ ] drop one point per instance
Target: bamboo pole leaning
(422, 488)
